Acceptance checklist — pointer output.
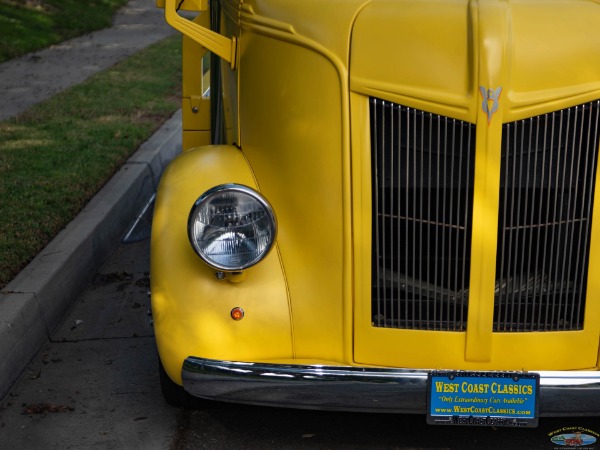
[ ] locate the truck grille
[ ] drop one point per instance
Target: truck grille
(547, 187)
(422, 171)
(423, 177)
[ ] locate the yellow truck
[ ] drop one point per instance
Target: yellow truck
(384, 205)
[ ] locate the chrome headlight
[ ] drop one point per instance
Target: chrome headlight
(232, 227)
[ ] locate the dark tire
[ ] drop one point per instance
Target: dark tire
(177, 396)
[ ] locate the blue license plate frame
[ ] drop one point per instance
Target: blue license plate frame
(508, 399)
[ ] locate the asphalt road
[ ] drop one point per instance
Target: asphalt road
(95, 385)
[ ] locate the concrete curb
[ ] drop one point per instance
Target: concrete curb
(33, 304)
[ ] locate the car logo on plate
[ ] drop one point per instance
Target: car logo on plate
(573, 437)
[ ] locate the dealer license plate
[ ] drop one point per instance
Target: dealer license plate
(483, 398)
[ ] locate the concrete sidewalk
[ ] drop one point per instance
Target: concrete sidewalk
(32, 305)
(37, 76)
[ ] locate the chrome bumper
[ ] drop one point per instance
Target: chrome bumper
(562, 393)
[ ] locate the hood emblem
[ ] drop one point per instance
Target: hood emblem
(489, 105)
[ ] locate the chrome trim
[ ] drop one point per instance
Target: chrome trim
(364, 389)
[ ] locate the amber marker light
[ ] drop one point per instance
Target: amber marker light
(237, 313)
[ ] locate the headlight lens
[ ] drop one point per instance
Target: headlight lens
(232, 227)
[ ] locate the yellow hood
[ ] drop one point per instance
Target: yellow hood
(442, 51)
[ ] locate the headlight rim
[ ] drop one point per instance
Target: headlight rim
(257, 196)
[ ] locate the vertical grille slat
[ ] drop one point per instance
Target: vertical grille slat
(423, 173)
(548, 168)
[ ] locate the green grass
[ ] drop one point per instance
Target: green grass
(29, 25)
(58, 154)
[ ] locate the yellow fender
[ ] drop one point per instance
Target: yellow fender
(191, 306)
